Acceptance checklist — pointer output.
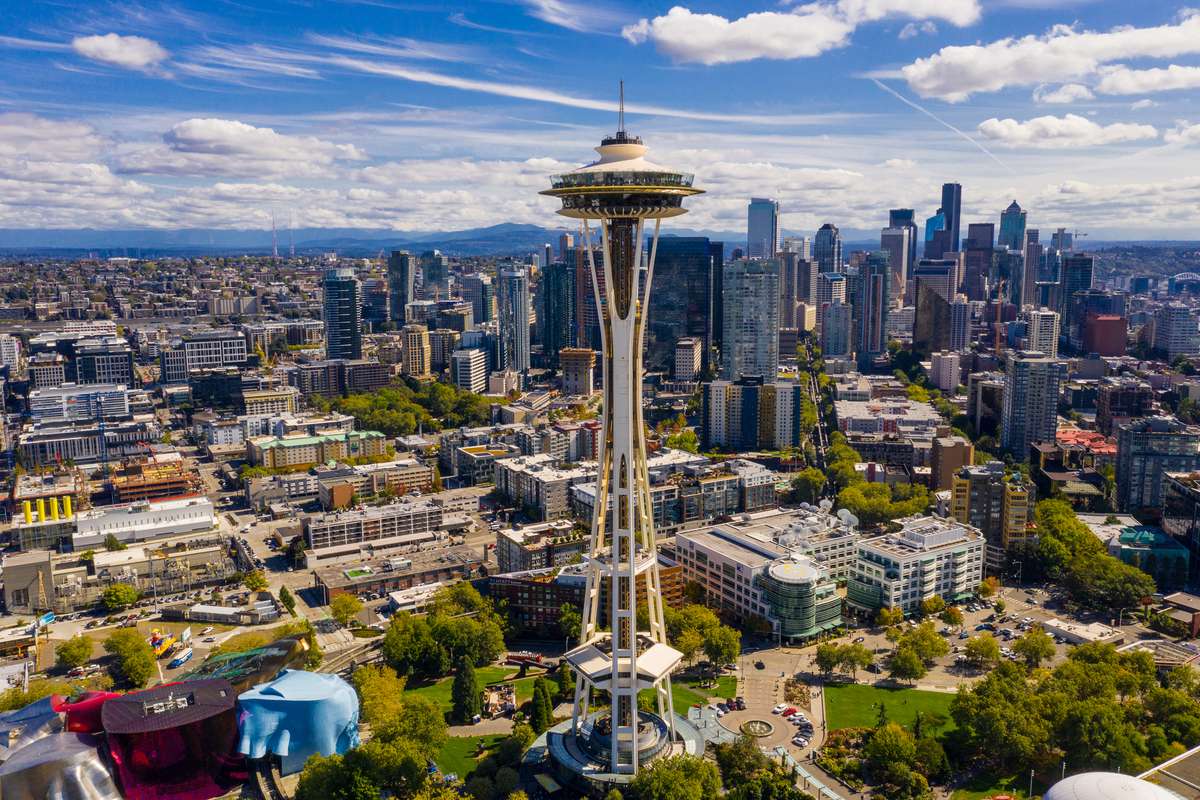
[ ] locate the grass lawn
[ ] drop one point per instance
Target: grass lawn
(689, 693)
(458, 754)
(853, 705)
(439, 692)
(987, 786)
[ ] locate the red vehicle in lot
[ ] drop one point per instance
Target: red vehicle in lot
(787, 712)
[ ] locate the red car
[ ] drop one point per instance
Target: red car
(787, 712)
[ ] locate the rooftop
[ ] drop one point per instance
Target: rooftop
(337, 576)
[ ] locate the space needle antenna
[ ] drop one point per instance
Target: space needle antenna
(621, 109)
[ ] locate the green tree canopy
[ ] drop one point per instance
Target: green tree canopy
(679, 777)
(74, 652)
(133, 660)
(118, 596)
(344, 608)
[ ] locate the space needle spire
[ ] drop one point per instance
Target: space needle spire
(620, 192)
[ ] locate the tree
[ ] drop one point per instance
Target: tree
(925, 641)
(380, 694)
(540, 717)
(465, 698)
(953, 616)
(73, 652)
(118, 596)
(906, 665)
(999, 605)
(722, 644)
(690, 642)
(889, 744)
(133, 660)
(679, 777)
(982, 650)
(887, 617)
(807, 485)
(931, 606)
(255, 581)
(566, 686)
(854, 657)
(1034, 647)
(345, 607)
(287, 600)
(988, 587)
(570, 621)
(113, 544)
(613, 794)
(827, 657)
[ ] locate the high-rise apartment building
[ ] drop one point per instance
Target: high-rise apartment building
(1121, 400)
(468, 370)
(1043, 331)
(836, 327)
(1147, 449)
(751, 320)
(960, 323)
(762, 227)
(906, 218)
(999, 503)
(1075, 275)
(1012, 228)
(417, 352)
(1032, 272)
(686, 298)
(748, 414)
(948, 455)
(1175, 331)
(513, 302)
(688, 362)
(342, 314)
(978, 259)
(946, 370)
(896, 242)
(10, 351)
(831, 288)
(933, 291)
(556, 309)
(800, 245)
(435, 275)
(402, 283)
(827, 249)
(566, 244)
(873, 301)
(1032, 382)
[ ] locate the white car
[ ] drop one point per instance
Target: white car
(779, 708)
(207, 631)
(800, 741)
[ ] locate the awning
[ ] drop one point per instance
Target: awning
(546, 782)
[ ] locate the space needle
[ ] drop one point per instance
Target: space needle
(621, 192)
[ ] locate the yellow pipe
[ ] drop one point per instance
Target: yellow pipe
(41, 509)
(25, 506)
(54, 508)
(67, 507)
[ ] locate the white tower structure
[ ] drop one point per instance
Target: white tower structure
(620, 192)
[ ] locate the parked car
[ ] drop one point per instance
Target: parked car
(740, 702)
(759, 665)
(779, 709)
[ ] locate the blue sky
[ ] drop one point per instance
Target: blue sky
(427, 116)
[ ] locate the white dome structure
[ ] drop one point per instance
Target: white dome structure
(1107, 786)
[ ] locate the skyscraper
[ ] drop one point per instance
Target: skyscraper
(933, 291)
(937, 238)
(342, 314)
(897, 243)
(1032, 267)
(685, 300)
(481, 292)
(435, 275)
(401, 275)
(1175, 331)
(791, 265)
(801, 245)
(906, 218)
(513, 301)
(417, 351)
(960, 323)
(952, 209)
(556, 310)
(762, 227)
(831, 288)
(978, 256)
(1074, 275)
(751, 310)
(566, 244)
(827, 249)
(1032, 382)
(623, 660)
(874, 301)
(1012, 228)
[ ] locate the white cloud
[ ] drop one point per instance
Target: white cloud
(912, 29)
(584, 17)
(1071, 130)
(1138, 105)
(1123, 80)
(1064, 95)
(711, 39)
(32, 137)
(231, 147)
(807, 31)
(130, 52)
(960, 13)
(900, 163)
(1183, 133)
(1063, 54)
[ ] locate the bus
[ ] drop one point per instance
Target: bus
(181, 659)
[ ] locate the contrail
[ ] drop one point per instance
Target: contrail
(940, 121)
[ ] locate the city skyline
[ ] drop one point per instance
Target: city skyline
(377, 115)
